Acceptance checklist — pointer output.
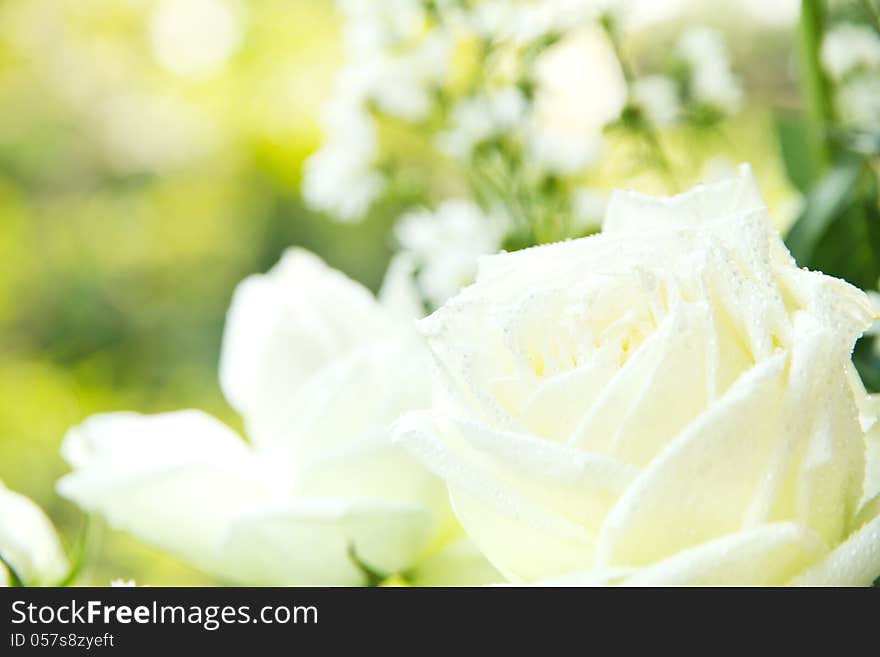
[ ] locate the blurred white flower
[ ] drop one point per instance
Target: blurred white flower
(395, 65)
(580, 89)
(491, 19)
(28, 543)
(639, 14)
(478, 118)
(400, 82)
(341, 177)
(657, 97)
(336, 181)
(776, 14)
(195, 38)
(588, 208)
(394, 61)
(848, 47)
(532, 20)
(711, 79)
(372, 25)
(445, 245)
(319, 492)
(150, 132)
(122, 583)
(858, 101)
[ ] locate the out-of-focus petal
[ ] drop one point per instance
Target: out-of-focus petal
(28, 542)
(327, 542)
(399, 293)
(174, 480)
(458, 564)
(284, 326)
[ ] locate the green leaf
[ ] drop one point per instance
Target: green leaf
(867, 361)
(799, 160)
(826, 204)
(850, 247)
(838, 232)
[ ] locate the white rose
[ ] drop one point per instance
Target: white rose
(671, 401)
(28, 543)
(318, 370)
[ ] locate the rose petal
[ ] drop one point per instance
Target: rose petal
(312, 542)
(348, 407)
(632, 212)
(28, 542)
(814, 473)
(656, 394)
(698, 487)
(762, 556)
(855, 562)
(284, 326)
(528, 504)
(458, 564)
(174, 480)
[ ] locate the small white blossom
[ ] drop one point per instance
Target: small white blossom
(848, 47)
(402, 83)
(711, 78)
(481, 117)
(341, 178)
(580, 89)
(338, 183)
(446, 244)
(858, 102)
(657, 97)
(122, 583)
(489, 19)
(372, 25)
(534, 20)
(588, 207)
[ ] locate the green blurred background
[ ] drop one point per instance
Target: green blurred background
(141, 177)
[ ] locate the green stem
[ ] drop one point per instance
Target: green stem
(816, 86)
